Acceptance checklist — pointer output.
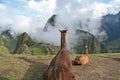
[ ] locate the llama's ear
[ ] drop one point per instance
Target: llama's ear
(63, 30)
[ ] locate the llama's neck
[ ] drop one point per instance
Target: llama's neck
(63, 39)
(86, 50)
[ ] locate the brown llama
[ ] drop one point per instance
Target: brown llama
(60, 67)
(83, 59)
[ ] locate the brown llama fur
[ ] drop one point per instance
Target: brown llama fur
(83, 59)
(60, 67)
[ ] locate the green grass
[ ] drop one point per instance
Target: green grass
(106, 54)
(37, 51)
(10, 76)
(15, 67)
(98, 55)
(4, 50)
(118, 78)
(12, 68)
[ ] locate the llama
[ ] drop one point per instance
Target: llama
(60, 67)
(83, 59)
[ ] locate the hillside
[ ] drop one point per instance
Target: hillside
(51, 22)
(110, 43)
(8, 40)
(23, 43)
(19, 67)
(111, 24)
(83, 38)
(26, 45)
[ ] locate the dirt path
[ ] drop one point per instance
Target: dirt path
(99, 68)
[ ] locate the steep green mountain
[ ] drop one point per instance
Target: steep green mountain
(8, 41)
(47, 48)
(111, 24)
(26, 45)
(50, 22)
(84, 38)
(23, 44)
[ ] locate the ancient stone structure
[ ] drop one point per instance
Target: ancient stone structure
(60, 67)
(83, 59)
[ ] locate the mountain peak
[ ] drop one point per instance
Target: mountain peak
(118, 13)
(50, 22)
(24, 34)
(7, 33)
(25, 41)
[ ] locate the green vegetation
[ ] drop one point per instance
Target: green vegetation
(10, 76)
(29, 67)
(114, 46)
(12, 68)
(4, 50)
(37, 51)
(118, 78)
(18, 67)
(9, 42)
(86, 38)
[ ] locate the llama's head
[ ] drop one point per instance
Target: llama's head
(86, 47)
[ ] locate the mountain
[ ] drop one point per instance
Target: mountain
(111, 24)
(84, 38)
(8, 40)
(26, 45)
(50, 22)
(23, 44)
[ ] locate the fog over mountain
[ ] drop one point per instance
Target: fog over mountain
(31, 16)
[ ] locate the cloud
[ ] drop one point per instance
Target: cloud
(45, 7)
(21, 24)
(31, 16)
(3, 16)
(113, 6)
(2, 6)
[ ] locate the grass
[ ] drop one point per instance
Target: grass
(118, 78)
(37, 51)
(4, 50)
(105, 54)
(97, 55)
(13, 67)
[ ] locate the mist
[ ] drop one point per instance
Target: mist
(71, 14)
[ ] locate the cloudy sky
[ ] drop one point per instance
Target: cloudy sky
(31, 15)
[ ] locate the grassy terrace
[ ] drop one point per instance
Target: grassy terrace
(27, 67)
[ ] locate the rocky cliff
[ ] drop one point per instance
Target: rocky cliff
(26, 45)
(111, 24)
(84, 38)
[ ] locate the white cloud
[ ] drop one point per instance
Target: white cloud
(45, 7)
(99, 9)
(72, 13)
(21, 24)
(2, 6)
(3, 16)
(114, 6)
